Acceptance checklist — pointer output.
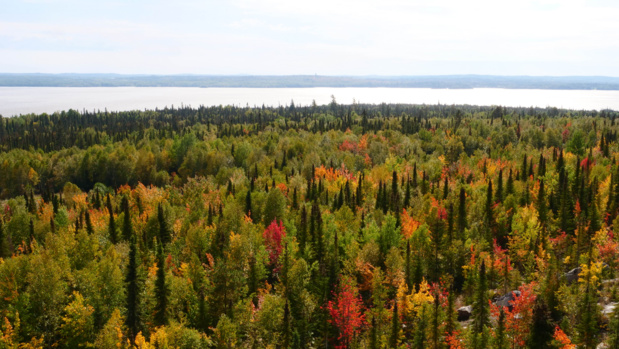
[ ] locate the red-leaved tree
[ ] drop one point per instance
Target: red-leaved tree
(273, 236)
(518, 319)
(346, 311)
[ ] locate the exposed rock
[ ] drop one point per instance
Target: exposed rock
(609, 308)
(464, 313)
(505, 300)
(572, 275)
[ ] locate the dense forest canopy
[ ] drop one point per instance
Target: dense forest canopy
(348, 226)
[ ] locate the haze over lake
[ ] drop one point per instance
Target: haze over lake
(24, 100)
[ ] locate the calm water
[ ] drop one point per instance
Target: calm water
(24, 100)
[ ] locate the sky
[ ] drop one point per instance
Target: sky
(324, 37)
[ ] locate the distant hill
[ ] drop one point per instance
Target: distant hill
(272, 81)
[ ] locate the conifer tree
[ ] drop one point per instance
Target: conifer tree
(161, 292)
(488, 212)
(394, 338)
(462, 223)
(509, 188)
(165, 235)
(542, 329)
(3, 239)
(407, 195)
(248, 209)
(111, 226)
(542, 209)
(131, 279)
(499, 187)
(481, 312)
(89, 228)
(127, 226)
(500, 336)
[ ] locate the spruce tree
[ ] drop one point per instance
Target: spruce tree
(488, 212)
(500, 337)
(542, 329)
(509, 188)
(394, 339)
(111, 226)
(165, 235)
(462, 223)
(89, 228)
(499, 187)
(481, 313)
(248, 209)
(127, 226)
(131, 279)
(161, 292)
(542, 209)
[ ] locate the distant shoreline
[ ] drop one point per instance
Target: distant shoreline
(308, 81)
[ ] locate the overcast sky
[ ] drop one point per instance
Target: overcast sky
(325, 37)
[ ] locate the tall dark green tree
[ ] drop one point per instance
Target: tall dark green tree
(132, 319)
(127, 226)
(165, 235)
(113, 235)
(542, 329)
(481, 311)
(161, 291)
(462, 221)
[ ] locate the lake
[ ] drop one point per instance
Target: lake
(25, 100)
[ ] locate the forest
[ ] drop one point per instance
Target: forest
(333, 226)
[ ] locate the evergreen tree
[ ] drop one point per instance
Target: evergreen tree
(462, 223)
(111, 226)
(165, 234)
(500, 337)
(542, 209)
(131, 279)
(481, 313)
(509, 188)
(488, 212)
(542, 329)
(248, 209)
(3, 244)
(161, 292)
(127, 226)
(394, 339)
(89, 228)
(407, 195)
